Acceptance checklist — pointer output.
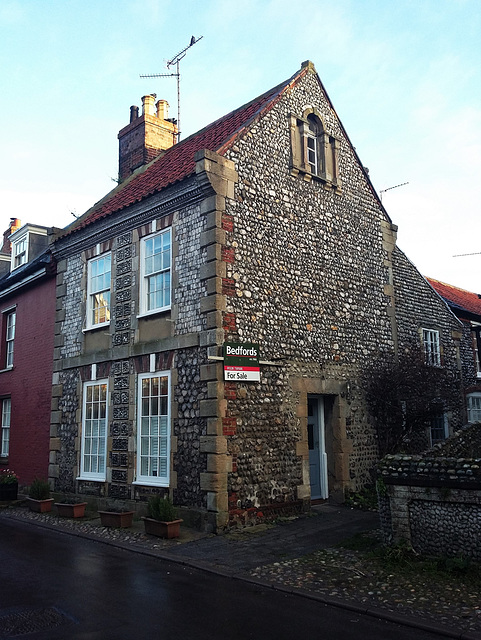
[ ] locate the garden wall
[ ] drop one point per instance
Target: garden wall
(433, 501)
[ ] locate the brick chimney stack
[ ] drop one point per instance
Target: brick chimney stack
(146, 136)
(12, 227)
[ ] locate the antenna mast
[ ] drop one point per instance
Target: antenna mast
(389, 188)
(175, 60)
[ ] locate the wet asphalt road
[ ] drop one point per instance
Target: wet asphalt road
(55, 586)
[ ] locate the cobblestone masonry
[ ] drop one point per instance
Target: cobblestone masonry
(433, 501)
(315, 277)
(265, 253)
(122, 339)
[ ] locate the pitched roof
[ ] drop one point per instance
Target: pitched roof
(178, 162)
(458, 299)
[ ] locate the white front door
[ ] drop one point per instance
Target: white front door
(317, 447)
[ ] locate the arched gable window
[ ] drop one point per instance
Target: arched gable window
(314, 151)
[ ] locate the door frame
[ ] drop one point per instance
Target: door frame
(321, 448)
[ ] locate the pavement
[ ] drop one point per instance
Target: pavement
(239, 553)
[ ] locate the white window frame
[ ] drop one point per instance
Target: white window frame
(21, 243)
(432, 347)
(20, 251)
(93, 441)
(312, 154)
(153, 446)
(473, 401)
(6, 419)
(148, 271)
(476, 331)
(93, 291)
(442, 416)
(10, 322)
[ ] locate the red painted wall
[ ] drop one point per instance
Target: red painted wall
(29, 383)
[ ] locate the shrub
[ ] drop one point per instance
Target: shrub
(39, 490)
(161, 509)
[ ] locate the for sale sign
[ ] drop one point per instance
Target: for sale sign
(241, 362)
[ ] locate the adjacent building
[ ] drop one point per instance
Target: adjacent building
(466, 305)
(27, 317)
(263, 232)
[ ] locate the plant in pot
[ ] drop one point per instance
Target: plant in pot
(39, 499)
(71, 508)
(162, 520)
(117, 517)
(8, 484)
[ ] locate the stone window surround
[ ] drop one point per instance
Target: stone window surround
(155, 481)
(431, 344)
(473, 401)
(91, 294)
(83, 475)
(326, 149)
(143, 311)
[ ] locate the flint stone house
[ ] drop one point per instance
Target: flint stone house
(466, 305)
(263, 228)
(27, 318)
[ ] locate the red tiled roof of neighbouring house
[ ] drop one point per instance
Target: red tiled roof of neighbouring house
(458, 299)
(178, 161)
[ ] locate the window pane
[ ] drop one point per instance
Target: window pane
(153, 425)
(156, 271)
(99, 287)
(94, 433)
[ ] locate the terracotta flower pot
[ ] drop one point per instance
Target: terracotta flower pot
(66, 510)
(40, 506)
(162, 529)
(117, 519)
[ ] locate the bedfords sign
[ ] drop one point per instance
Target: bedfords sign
(241, 362)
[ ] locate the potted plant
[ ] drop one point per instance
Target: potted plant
(39, 499)
(116, 517)
(162, 520)
(71, 508)
(8, 485)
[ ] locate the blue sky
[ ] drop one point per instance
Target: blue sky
(403, 75)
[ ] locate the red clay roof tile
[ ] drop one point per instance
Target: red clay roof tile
(178, 161)
(459, 299)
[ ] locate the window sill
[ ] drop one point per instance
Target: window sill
(316, 177)
(96, 327)
(150, 483)
(154, 312)
(84, 479)
(6, 369)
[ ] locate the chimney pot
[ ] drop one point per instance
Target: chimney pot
(134, 113)
(162, 109)
(148, 105)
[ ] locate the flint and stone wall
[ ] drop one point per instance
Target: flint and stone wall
(314, 277)
(270, 255)
(434, 501)
(122, 350)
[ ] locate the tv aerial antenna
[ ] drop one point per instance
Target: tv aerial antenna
(175, 61)
(389, 188)
(462, 255)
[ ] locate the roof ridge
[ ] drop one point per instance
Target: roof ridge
(177, 162)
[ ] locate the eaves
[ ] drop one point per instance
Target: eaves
(188, 192)
(19, 284)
